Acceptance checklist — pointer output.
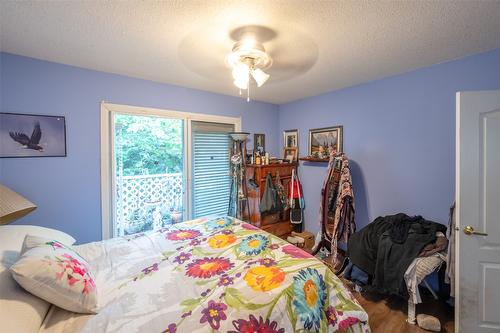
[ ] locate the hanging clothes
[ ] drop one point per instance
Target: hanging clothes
(337, 204)
(281, 192)
(270, 202)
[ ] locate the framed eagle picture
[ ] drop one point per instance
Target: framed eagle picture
(30, 135)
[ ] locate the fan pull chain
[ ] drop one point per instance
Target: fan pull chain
(248, 90)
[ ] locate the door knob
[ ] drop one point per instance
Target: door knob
(468, 230)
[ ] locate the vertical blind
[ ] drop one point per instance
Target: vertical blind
(211, 180)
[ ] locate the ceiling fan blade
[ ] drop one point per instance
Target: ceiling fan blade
(204, 52)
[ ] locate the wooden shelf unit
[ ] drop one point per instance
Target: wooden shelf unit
(314, 159)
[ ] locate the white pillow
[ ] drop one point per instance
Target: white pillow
(31, 241)
(12, 238)
(21, 311)
(56, 273)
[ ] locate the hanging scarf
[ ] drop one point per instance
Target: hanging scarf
(281, 192)
(337, 204)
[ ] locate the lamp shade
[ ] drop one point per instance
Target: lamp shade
(13, 205)
(239, 136)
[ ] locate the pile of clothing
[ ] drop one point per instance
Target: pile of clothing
(386, 249)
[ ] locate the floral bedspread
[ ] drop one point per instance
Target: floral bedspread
(211, 275)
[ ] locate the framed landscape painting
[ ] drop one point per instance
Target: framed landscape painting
(30, 135)
(321, 140)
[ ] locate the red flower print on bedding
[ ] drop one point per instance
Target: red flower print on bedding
(208, 267)
(348, 322)
(249, 226)
(295, 252)
(179, 235)
(75, 272)
(55, 245)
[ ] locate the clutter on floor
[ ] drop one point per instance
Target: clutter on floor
(385, 248)
(394, 254)
(304, 240)
(429, 323)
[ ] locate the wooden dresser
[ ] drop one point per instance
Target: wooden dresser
(277, 224)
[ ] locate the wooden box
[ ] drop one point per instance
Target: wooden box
(308, 239)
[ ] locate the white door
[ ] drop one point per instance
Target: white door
(478, 211)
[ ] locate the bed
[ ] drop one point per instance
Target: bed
(206, 275)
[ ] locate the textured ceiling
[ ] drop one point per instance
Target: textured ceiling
(318, 46)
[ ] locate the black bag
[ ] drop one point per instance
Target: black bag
(296, 203)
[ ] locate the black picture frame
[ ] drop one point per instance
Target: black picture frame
(259, 142)
(22, 126)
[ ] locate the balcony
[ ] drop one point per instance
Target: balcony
(148, 202)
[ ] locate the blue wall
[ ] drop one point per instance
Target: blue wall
(67, 190)
(399, 133)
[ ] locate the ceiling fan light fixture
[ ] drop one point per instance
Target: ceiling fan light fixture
(248, 59)
(240, 72)
(241, 76)
(243, 85)
(248, 43)
(260, 76)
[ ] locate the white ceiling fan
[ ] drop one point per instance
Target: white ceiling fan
(252, 54)
(248, 59)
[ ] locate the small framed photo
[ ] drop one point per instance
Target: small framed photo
(30, 135)
(291, 138)
(291, 154)
(259, 143)
(322, 140)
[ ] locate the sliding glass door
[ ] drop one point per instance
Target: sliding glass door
(161, 167)
(149, 172)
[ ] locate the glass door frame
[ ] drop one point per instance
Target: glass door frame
(108, 167)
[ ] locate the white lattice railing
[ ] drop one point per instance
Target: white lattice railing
(147, 201)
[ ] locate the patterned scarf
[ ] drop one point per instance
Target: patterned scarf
(338, 223)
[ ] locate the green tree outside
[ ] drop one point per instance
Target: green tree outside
(148, 145)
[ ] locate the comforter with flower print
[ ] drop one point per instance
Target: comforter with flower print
(215, 275)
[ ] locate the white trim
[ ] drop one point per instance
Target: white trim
(188, 168)
(105, 170)
(129, 109)
(107, 150)
(457, 210)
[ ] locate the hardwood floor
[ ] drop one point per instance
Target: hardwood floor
(389, 315)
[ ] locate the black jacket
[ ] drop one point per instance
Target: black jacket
(386, 247)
